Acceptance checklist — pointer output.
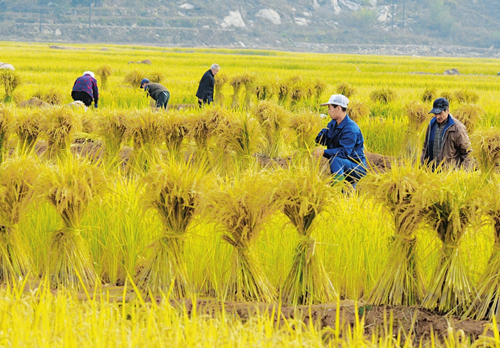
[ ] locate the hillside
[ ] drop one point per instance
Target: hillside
(426, 27)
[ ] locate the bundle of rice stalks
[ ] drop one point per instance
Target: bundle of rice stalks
(357, 110)
(104, 72)
(249, 81)
(449, 203)
(173, 190)
(486, 145)
(486, 303)
(306, 126)
(58, 126)
(383, 95)
(175, 128)
(240, 136)
(26, 125)
(303, 193)
(205, 125)
(156, 77)
(319, 87)
(220, 81)
(346, 89)
(272, 118)
(134, 78)
(236, 82)
(283, 88)
(401, 283)
(429, 95)
(298, 92)
(417, 117)
(112, 129)
(147, 129)
(264, 90)
(52, 96)
(10, 80)
(70, 185)
(466, 96)
(241, 207)
(448, 95)
(469, 115)
(6, 118)
(17, 176)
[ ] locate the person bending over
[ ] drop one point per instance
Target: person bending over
(85, 89)
(158, 92)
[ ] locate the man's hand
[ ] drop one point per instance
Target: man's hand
(318, 152)
(200, 100)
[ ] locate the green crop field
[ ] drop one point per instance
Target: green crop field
(105, 210)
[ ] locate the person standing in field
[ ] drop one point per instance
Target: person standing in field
(205, 91)
(85, 89)
(344, 142)
(446, 140)
(158, 92)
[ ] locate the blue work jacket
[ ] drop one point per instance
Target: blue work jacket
(344, 141)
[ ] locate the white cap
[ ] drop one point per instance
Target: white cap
(337, 99)
(89, 73)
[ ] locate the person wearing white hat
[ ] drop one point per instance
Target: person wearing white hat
(85, 89)
(344, 142)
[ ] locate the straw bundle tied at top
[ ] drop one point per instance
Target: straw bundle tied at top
(450, 202)
(304, 193)
(241, 207)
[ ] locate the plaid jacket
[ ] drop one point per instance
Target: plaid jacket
(87, 84)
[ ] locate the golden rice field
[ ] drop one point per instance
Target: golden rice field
(115, 221)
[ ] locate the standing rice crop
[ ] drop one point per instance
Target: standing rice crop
(9, 80)
(486, 146)
(306, 126)
(401, 281)
(469, 115)
(241, 206)
(272, 118)
(6, 122)
(17, 176)
(417, 115)
(449, 203)
(58, 127)
(486, 303)
(173, 190)
(304, 192)
(27, 127)
(104, 72)
(70, 186)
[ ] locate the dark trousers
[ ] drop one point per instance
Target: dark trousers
(205, 101)
(83, 97)
(162, 100)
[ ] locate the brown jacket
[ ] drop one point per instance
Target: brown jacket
(456, 145)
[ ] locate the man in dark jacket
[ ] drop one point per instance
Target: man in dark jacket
(85, 89)
(158, 92)
(344, 142)
(205, 91)
(446, 140)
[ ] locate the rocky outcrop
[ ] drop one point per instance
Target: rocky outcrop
(270, 15)
(234, 19)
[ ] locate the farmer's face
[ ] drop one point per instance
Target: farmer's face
(442, 116)
(334, 111)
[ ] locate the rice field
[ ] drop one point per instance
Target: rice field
(109, 217)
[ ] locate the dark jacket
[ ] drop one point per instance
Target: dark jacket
(87, 84)
(154, 90)
(344, 141)
(206, 88)
(455, 150)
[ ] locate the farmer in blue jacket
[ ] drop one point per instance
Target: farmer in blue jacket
(344, 142)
